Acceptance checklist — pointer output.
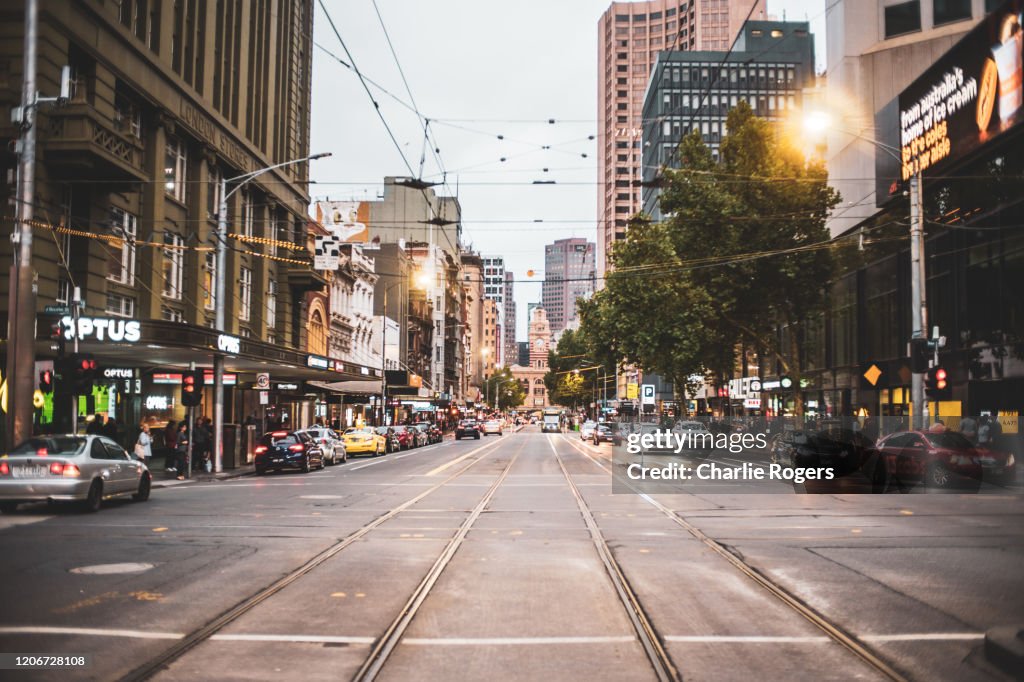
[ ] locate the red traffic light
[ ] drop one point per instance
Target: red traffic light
(188, 383)
(940, 378)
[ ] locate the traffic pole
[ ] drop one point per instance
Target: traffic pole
(918, 303)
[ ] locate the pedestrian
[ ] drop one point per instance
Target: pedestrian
(985, 432)
(144, 444)
(95, 426)
(200, 445)
(938, 427)
(969, 429)
(870, 428)
(181, 449)
(110, 429)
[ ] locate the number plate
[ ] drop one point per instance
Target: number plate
(29, 471)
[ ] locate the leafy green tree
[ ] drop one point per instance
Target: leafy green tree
(504, 388)
(743, 253)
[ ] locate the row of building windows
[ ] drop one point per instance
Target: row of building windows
(765, 75)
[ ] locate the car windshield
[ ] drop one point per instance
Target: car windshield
(400, 429)
(57, 446)
(352, 432)
(948, 440)
(280, 438)
(382, 430)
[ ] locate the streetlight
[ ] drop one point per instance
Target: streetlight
(819, 121)
(222, 252)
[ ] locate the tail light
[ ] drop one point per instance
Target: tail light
(42, 452)
(5, 469)
(279, 434)
(298, 447)
(57, 468)
(260, 449)
(71, 471)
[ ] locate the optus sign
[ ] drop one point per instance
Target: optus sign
(969, 96)
(102, 329)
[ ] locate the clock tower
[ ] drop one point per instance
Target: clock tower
(540, 338)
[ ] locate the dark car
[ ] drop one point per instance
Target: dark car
(279, 450)
(406, 437)
(393, 444)
(606, 433)
(467, 428)
(850, 454)
(940, 460)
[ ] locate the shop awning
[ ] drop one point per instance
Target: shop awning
(362, 386)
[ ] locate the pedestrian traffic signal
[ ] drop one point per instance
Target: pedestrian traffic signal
(83, 373)
(921, 351)
(937, 383)
(46, 381)
(192, 388)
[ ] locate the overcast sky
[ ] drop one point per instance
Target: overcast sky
(477, 70)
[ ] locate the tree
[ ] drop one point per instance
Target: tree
(741, 261)
(509, 392)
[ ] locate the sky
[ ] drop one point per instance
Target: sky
(489, 77)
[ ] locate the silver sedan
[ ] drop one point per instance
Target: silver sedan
(86, 469)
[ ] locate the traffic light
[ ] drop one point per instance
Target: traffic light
(46, 381)
(921, 352)
(192, 388)
(937, 384)
(83, 373)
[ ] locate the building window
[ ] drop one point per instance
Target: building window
(245, 294)
(213, 196)
(121, 262)
(902, 18)
(120, 306)
(248, 213)
(210, 281)
(127, 117)
(171, 314)
(174, 261)
(948, 11)
(174, 169)
(271, 308)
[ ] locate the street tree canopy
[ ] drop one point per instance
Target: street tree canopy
(742, 261)
(502, 384)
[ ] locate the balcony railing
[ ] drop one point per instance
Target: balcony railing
(77, 136)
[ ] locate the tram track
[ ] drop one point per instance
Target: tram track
(833, 630)
(197, 636)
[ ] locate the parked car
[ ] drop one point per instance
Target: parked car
(940, 460)
(850, 454)
(587, 430)
(330, 443)
(421, 432)
(436, 433)
(607, 433)
(695, 433)
(467, 428)
(492, 427)
(279, 450)
(391, 442)
(365, 440)
(86, 469)
(406, 438)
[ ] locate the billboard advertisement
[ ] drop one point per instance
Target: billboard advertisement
(347, 220)
(969, 96)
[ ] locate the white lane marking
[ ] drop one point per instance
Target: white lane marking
(97, 632)
(110, 569)
(747, 639)
(924, 637)
(316, 639)
(368, 464)
(320, 497)
(517, 641)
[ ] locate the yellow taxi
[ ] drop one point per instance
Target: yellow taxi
(364, 440)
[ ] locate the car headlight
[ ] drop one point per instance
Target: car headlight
(1010, 461)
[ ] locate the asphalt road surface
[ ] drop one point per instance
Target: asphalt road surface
(509, 559)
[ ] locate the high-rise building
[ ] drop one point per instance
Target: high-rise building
(510, 353)
(494, 289)
(875, 49)
(770, 66)
(630, 35)
(569, 273)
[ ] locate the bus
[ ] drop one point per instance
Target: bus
(552, 416)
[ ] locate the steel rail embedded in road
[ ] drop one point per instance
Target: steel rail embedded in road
(645, 632)
(386, 644)
(834, 631)
(199, 635)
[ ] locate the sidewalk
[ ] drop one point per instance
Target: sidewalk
(164, 479)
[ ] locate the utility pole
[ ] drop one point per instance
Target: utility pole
(918, 302)
(21, 307)
(383, 363)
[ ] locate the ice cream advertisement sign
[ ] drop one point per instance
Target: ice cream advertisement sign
(969, 96)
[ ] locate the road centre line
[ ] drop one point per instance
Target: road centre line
(517, 641)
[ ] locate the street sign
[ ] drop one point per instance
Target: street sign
(263, 381)
(56, 310)
(326, 252)
(632, 391)
(647, 394)
(264, 397)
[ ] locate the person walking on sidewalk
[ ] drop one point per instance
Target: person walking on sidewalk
(181, 449)
(144, 444)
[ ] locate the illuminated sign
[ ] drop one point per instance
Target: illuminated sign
(175, 378)
(158, 402)
(317, 362)
(283, 386)
(102, 329)
(118, 373)
(229, 344)
(969, 96)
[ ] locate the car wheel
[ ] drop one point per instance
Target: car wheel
(323, 464)
(95, 497)
(938, 476)
(305, 465)
(458, 437)
(144, 487)
(261, 471)
(8, 507)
